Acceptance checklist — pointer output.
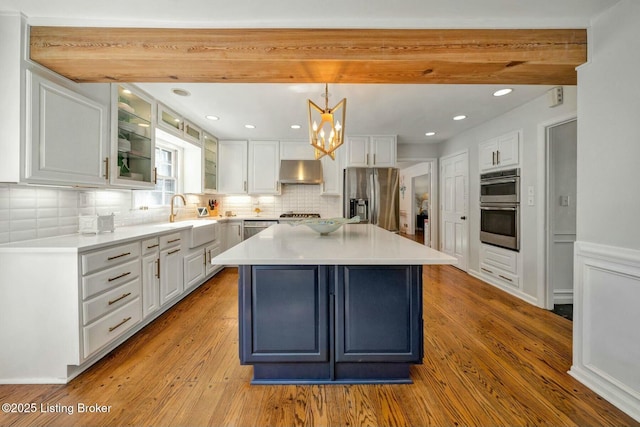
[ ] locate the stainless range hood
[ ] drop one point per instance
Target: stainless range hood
(300, 172)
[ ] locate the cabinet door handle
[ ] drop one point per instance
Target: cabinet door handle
(113, 301)
(245, 186)
(158, 268)
(111, 279)
(106, 168)
(174, 240)
(505, 278)
(498, 157)
(374, 158)
(113, 328)
(153, 246)
(484, 269)
(367, 158)
(118, 256)
(173, 251)
(493, 157)
(155, 175)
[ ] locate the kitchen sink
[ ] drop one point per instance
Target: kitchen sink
(202, 231)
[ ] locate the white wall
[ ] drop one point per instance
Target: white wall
(606, 341)
(526, 118)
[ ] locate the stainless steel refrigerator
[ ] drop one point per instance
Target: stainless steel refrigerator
(372, 193)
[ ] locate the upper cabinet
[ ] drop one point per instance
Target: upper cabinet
(177, 125)
(210, 163)
(133, 142)
(67, 134)
(264, 167)
(371, 151)
(332, 174)
(232, 161)
(500, 152)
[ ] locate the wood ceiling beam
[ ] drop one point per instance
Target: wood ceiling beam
(540, 56)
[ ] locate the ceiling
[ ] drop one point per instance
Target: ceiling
(407, 110)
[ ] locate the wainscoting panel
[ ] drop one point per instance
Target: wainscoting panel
(606, 350)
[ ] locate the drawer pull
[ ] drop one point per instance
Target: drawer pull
(505, 278)
(111, 279)
(484, 269)
(173, 251)
(118, 256)
(119, 298)
(174, 240)
(153, 246)
(113, 328)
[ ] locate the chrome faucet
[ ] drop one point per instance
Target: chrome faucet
(172, 217)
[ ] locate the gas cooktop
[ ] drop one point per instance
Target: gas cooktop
(299, 215)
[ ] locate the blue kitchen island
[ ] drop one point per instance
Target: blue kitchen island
(339, 308)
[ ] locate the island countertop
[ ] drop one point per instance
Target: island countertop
(352, 244)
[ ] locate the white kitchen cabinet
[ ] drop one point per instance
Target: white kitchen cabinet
(500, 266)
(67, 138)
(371, 151)
(177, 125)
(332, 174)
(132, 138)
(232, 167)
(296, 150)
(150, 276)
(233, 233)
(194, 268)
(500, 152)
(264, 167)
(212, 250)
(210, 163)
(171, 267)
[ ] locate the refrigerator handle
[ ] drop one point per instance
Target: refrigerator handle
(375, 198)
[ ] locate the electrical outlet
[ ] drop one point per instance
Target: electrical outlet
(530, 201)
(530, 190)
(564, 200)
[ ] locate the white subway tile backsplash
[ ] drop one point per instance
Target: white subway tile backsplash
(29, 212)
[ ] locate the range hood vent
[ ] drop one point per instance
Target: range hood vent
(300, 172)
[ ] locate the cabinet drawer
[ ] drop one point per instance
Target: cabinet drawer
(150, 245)
(110, 327)
(109, 301)
(112, 277)
(499, 258)
(505, 277)
(107, 257)
(168, 240)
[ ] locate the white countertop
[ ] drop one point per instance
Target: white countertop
(83, 242)
(352, 244)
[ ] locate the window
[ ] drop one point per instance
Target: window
(167, 182)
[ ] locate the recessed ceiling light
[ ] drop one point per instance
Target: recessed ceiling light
(430, 133)
(295, 126)
(210, 117)
(460, 117)
(502, 92)
(250, 126)
(181, 92)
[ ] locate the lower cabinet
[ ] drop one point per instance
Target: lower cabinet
(324, 324)
(150, 276)
(171, 267)
(500, 266)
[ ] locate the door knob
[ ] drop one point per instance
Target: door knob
(463, 218)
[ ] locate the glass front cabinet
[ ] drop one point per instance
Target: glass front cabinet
(133, 146)
(210, 163)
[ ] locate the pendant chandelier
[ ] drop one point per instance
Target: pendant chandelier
(328, 135)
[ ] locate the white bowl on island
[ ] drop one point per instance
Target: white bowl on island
(326, 225)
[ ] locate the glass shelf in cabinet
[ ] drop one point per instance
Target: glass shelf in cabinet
(128, 117)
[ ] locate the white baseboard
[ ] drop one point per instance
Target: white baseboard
(563, 296)
(606, 337)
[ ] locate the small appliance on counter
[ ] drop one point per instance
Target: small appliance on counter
(94, 224)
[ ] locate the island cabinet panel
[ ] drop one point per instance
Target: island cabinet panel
(285, 314)
(378, 314)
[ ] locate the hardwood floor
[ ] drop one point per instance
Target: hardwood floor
(490, 360)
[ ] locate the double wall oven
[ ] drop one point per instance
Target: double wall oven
(500, 208)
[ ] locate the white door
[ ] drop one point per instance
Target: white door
(454, 207)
